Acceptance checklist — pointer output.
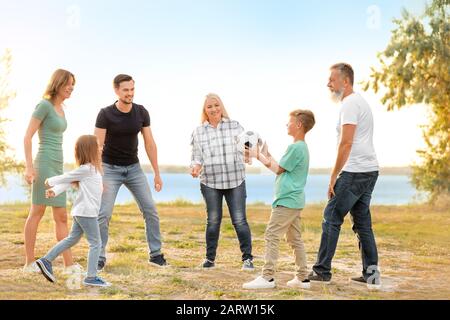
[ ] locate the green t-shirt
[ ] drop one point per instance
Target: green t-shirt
(290, 185)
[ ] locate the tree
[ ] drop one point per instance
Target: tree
(415, 69)
(7, 162)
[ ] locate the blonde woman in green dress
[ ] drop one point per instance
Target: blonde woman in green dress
(49, 121)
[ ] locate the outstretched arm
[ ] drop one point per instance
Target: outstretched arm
(271, 164)
(73, 176)
(265, 158)
(57, 190)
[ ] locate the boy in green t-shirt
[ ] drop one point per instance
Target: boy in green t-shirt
(291, 172)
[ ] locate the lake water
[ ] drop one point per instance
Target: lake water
(389, 190)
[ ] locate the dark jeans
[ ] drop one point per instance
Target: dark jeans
(235, 199)
(353, 192)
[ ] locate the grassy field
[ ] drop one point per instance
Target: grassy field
(412, 241)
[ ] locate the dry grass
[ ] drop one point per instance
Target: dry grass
(412, 240)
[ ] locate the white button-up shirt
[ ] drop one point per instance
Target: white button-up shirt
(216, 150)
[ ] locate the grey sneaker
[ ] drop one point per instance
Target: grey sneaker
(373, 284)
(247, 265)
(46, 268)
(314, 277)
(359, 280)
(208, 264)
(158, 261)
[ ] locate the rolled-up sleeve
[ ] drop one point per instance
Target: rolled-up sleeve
(196, 151)
(60, 188)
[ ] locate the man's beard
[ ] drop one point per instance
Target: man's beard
(336, 96)
(127, 101)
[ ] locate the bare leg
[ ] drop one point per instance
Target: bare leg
(30, 230)
(62, 231)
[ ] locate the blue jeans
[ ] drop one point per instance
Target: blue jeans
(235, 199)
(88, 226)
(353, 192)
(135, 180)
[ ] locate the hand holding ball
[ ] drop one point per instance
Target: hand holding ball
(249, 142)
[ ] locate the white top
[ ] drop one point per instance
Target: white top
(89, 195)
(355, 110)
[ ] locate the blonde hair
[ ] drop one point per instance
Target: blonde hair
(59, 79)
(305, 117)
(86, 151)
(204, 116)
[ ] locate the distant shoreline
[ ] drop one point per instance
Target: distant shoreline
(398, 171)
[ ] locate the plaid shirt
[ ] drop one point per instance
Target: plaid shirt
(217, 151)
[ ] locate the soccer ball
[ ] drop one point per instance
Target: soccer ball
(249, 139)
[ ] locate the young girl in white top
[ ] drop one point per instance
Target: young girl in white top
(84, 211)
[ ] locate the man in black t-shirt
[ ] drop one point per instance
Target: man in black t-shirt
(117, 129)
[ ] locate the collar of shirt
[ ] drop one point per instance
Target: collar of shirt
(206, 123)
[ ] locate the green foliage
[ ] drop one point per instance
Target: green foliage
(415, 68)
(7, 161)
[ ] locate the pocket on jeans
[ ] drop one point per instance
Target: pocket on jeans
(204, 190)
(244, 188)
(361, 183)
(343, 182)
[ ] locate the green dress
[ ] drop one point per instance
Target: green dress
(49, 159)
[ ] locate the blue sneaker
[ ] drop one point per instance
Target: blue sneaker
(46, 268)
(96, 282)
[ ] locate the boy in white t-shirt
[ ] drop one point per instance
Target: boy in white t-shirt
(352, 181)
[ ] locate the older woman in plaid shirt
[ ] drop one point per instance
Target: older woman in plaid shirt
(221, 168)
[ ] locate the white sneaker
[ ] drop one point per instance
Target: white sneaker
(259, 283)
(31, 268)
(297, 283)
(74, 269)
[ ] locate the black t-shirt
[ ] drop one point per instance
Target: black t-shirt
(122, 129)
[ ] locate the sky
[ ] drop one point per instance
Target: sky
(264, 58)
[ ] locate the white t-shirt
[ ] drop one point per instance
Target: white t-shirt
(89, 194)
(355, 110)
